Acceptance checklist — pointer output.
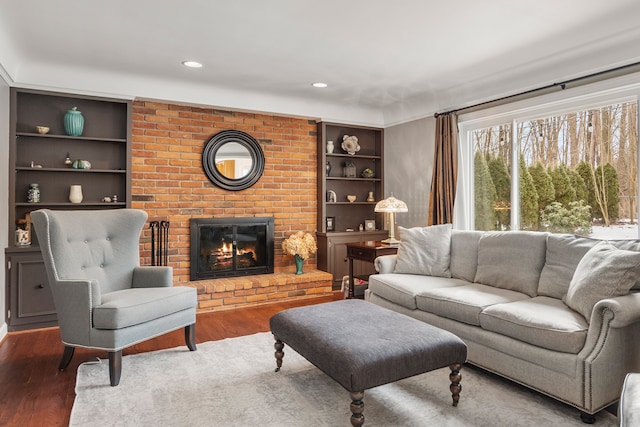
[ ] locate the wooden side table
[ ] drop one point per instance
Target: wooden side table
(368, 252)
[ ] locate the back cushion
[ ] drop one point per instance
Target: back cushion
(627, 245)
(424, 250)
(511, 260)
(564, 252)
(464, 254)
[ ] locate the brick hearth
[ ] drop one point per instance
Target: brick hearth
(243, 291)
(169, 183)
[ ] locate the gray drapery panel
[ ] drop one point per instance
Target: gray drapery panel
(445, 170)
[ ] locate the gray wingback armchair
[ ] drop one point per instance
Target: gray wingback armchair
(104, 299)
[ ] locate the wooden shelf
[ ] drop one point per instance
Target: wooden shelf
(352, 156)
(67, 137)
(351, 203)
(44, 205)
(344, 178)
(71, 170)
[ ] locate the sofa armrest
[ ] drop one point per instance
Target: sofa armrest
(385, 263)
(621, 313)
(74, 301)
(625, 310)
(152, 277)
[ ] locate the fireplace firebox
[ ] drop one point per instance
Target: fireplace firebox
(229, 247)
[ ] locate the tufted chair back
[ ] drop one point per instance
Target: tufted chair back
(102, 246)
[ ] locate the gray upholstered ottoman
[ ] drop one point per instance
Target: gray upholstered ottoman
(361, 345)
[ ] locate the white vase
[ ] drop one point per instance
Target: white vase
(329, 147)
(75, 194)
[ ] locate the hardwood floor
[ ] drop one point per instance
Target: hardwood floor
(33, 392)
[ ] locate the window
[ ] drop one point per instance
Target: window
(492, 177)
(569, 169)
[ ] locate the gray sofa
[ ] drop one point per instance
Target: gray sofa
(552, 312)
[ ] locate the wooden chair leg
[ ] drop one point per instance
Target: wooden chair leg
(190, 336)
(66, 357)
(115, 367)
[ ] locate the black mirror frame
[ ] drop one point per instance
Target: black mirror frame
(209, 160)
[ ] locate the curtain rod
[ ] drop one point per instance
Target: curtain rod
(561, 85)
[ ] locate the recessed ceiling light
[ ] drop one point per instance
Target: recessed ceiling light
(192, 64)
(319, 84)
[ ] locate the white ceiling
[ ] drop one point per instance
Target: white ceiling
(385, 61)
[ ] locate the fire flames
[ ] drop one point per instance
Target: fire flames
(222, 256)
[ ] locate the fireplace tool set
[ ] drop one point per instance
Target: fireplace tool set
(159, 233)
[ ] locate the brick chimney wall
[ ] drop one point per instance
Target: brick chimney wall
(169, 183)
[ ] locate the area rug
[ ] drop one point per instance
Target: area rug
(232, 383)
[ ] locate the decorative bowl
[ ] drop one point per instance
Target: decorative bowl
(368, 173)
(351, 198)
(81, 164)
(42, 130)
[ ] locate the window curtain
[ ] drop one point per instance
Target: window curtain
(445, 170)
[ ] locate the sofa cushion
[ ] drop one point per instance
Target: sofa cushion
(424, 250)
(541, 321)
(604, 272)
(402, 288)
(627, 245)
(129, 307)
(464, 254)
(464, 303)
(511, 260)
(564, 252)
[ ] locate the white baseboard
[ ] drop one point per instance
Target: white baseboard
(3, 331)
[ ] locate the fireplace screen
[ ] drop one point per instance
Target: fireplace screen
(231, 247)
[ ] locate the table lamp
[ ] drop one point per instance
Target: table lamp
(391, 205)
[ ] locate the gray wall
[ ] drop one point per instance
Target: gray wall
(4, 194)
(408, 164)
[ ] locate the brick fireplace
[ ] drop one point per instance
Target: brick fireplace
(169, 183)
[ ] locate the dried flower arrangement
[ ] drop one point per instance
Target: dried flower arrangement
(301, 244)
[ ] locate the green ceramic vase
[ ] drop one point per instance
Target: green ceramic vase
(299, 264)
(73, 122)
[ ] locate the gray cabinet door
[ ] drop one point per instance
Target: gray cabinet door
(31, 302)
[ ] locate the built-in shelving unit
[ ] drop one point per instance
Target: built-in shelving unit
(40, 158)
(346, 216)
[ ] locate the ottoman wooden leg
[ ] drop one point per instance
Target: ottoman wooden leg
(357, 407)
(278, 345)
(455, 386)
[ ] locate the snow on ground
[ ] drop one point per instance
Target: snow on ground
(615, 232)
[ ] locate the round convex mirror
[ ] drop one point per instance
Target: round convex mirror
(233, 160)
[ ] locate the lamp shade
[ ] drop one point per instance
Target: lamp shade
(391, 204)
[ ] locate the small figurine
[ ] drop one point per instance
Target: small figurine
(349, 169)
(22, 237)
